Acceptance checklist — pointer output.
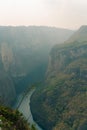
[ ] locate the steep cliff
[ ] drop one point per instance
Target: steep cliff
(62, 100)
(24, 49)
(24, 56)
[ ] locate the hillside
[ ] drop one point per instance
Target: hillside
(62, 101)
(24, 56)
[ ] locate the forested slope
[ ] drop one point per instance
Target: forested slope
(62, 101)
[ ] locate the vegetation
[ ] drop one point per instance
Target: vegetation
(13, 120)
(62, 102)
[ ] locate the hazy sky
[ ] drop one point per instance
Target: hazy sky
(60, 13)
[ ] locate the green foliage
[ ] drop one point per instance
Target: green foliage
(33, 127)
(12, 119)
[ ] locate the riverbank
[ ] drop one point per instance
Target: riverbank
(25, 108)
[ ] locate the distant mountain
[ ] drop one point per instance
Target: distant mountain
(62, 101)
(24, 55)
(80, 35)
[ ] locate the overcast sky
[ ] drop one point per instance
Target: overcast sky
(60, 13)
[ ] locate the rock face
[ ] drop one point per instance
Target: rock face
(62, 100)
(7, 88)
(61, 57)
(24, 56)
(6, 56)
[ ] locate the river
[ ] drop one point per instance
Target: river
(25, 108)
